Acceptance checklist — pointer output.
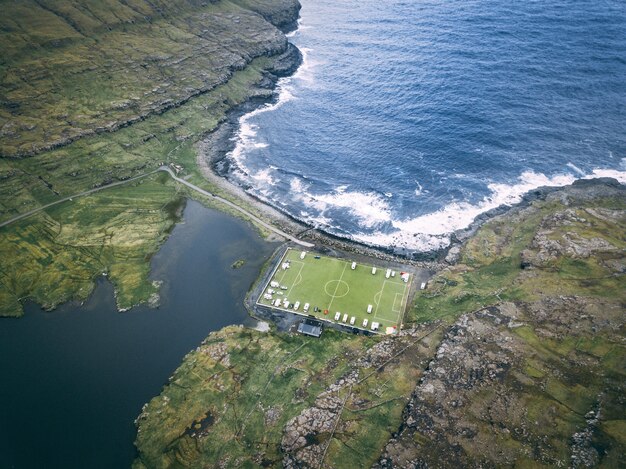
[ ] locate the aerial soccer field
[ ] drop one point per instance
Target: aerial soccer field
(324, 286)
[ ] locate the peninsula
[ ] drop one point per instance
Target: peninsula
(511, 355)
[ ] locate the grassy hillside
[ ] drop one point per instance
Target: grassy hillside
(249, 399)
(177, 67)
(71, 69)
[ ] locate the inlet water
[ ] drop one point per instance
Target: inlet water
(73, 380)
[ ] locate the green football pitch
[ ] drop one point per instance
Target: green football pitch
(330, 286)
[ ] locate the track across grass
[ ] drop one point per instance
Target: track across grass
(330, 285)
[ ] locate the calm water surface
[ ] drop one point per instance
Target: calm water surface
(73, 380)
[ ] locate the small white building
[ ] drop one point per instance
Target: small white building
(405, 277)
(296, 306)
(274, 284)
(369, 309)
(352, 320)
(375, 326)
(353, 266)
(345, 317)
(286, 303)
(277, 302)
(267, 296)
(388, 273)
(373, 270)
(423, 286)
(337, 316)
(285, 265)
(393, 273)
(306, 307)
(364, 322)
(302, 254)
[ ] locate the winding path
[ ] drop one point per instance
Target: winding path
(80, 194)
(177, 179)
(236, 207)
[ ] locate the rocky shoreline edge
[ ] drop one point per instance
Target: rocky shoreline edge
(212, 159)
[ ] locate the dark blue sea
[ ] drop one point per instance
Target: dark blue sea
(410, 118)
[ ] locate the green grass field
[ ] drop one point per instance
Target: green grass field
(331, 286)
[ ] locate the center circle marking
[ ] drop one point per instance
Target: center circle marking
(336, 288)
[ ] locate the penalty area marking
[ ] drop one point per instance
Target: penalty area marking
(298, 276)
(395, 301)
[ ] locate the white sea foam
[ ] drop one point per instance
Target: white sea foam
(432, 231)
(368, 208)
(306, 70)
(608, 173)
(246, 139)
(419, 190)
(264, 177)
(576, 168)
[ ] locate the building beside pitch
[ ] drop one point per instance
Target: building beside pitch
(310, 327)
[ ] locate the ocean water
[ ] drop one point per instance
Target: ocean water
(410, 118)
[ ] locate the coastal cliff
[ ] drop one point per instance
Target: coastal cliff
(74, 70)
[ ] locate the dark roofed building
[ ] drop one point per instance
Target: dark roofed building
(310, 327)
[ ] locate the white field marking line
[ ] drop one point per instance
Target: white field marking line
(285, 271)
(380, 297)
(377, 295)
(267, 284)
(295, 282)
(405, 303)
(395, 300)
(394, 303)
(338, 282)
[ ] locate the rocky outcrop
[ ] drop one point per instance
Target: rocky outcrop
(497, 394)
(554, 240)
(536, 380)
(307, 436)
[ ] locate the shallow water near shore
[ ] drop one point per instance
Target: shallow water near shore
(73, 380)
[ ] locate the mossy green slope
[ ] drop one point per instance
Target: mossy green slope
(229, 403)
(72, 69)
(531, 372)
(179, 67)
(542, 250)
(56, 256)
